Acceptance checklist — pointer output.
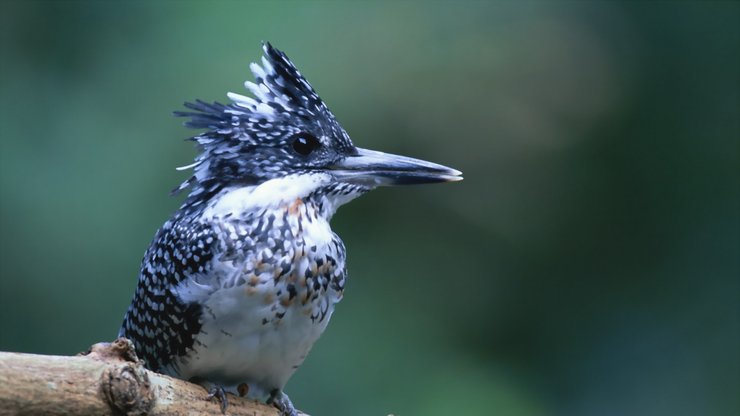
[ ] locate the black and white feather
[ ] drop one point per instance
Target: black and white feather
(240, 282)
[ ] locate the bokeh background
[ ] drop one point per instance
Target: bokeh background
(589, 264)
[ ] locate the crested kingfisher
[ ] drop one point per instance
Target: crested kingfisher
(241, 281)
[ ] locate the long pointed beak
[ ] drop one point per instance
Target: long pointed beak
(368, 167)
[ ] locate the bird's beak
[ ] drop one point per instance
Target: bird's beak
(368, 167)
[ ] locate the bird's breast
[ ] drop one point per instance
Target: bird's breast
(281, 258)
(270, 291)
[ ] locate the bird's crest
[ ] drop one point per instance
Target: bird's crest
(284, 103)
(279, 87)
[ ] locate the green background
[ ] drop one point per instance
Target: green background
(588, 264)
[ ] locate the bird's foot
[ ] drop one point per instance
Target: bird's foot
(218, 392)
(282, 402)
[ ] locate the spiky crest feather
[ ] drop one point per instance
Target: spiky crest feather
(284, 103)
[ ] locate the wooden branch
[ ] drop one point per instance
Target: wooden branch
(107, 380)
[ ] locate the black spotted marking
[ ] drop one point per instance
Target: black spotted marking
(159, 324)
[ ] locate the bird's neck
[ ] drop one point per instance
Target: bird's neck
(316, 190)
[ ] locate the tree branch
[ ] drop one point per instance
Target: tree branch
(107, 380)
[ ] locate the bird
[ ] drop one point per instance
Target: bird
(242, 279)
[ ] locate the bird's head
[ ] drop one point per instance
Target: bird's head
(286, 131)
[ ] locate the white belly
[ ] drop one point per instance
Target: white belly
(238, 348)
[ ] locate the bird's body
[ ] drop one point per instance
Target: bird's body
(238, 285)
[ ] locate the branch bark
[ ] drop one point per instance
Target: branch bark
(107, 380)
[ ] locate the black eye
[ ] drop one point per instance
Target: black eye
(304, 144)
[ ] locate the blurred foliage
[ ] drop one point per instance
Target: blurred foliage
(588, 265)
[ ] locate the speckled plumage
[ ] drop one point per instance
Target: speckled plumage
(242, 280)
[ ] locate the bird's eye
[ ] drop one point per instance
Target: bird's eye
(304, 144)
